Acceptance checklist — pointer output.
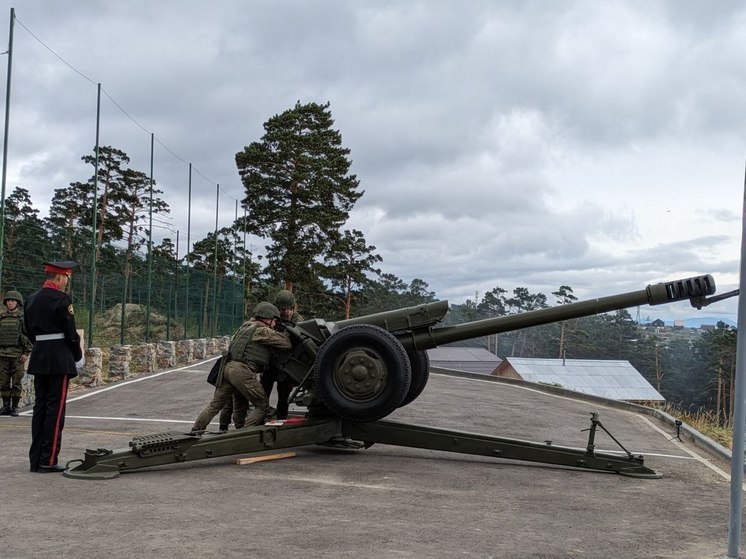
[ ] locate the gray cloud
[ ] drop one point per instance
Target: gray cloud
(527, 144)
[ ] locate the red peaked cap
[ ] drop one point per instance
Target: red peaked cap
(64, 268)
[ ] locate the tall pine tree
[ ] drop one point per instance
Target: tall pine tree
(298, 190)
(348, 264)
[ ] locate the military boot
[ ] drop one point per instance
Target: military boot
(271, 412)
(14, 407)
(5, 410)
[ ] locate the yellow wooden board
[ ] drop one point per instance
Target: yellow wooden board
(264, 458)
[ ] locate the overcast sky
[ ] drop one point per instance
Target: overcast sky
(598, 145)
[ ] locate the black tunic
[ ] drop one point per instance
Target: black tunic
(49, 311)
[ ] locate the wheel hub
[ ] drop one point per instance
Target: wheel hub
(360, 375)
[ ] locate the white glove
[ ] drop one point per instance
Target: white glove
(79, 364)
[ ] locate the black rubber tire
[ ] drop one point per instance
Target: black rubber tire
(420, 364)
(378, 349)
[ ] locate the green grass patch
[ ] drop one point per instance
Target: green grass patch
(704, 421)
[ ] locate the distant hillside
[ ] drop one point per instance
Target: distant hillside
(698, 321)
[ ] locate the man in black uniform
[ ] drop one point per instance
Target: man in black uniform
(50, 325)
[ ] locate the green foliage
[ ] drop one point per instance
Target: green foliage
(298, 190)
(389, 292)
(347, 265)
(23, 230)
(703, 420)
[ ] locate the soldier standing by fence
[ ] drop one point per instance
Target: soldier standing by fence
(15, 348)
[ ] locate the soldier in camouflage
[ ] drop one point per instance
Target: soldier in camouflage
(249, 354)
(285, 302)
(15, 348)
(237, 408)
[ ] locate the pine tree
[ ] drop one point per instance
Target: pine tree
(348, 264)
(298, 190)
(383, 293)
(132, 213)
(564, 296)
(26, 243)
(718, 348)
(69, 226)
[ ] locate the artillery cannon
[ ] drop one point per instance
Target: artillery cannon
(362, 369)
(350, 374)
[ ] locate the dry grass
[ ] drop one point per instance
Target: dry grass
(704, 421)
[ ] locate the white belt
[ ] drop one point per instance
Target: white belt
(47, 337)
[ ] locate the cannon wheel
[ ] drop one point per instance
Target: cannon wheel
(362, 373)
(420, 364)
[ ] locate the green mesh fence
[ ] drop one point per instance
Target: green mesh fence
(184, 303)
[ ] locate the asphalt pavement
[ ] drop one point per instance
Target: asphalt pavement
(380, 502)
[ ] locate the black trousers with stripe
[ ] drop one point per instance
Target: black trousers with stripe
(48, 420)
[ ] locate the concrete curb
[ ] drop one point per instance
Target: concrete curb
(685, 431)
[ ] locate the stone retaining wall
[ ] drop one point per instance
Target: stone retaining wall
(141, 358)
(184, 352)
(200, 349)
(93, 370)
(165, 355)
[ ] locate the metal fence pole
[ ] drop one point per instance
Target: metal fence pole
(187, 250)
(150, 245)
(5, 144)
(94, 252)
(739, 411)
(215, 265)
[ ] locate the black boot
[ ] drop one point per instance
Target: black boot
(5, 410)
(14, 407)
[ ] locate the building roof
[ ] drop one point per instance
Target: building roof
(470, 359)
(614, 379)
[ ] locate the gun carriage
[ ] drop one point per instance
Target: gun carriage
(351, 374)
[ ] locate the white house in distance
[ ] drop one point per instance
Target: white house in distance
(614, 379)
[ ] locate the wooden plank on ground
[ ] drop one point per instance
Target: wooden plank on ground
(264, 458)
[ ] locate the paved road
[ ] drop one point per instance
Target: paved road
(381, 502)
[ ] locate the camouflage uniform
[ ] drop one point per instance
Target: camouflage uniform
(236, 410)
(13, 345)
(249, 354)
(238, 406)
(284, 383)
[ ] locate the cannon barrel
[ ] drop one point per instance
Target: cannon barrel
(657, 294)
(364, 368)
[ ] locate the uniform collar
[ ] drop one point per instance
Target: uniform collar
(51, 285)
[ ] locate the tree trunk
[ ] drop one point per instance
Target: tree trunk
(348, 299)
(205, 304)
(658, 369)
(562, 340)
